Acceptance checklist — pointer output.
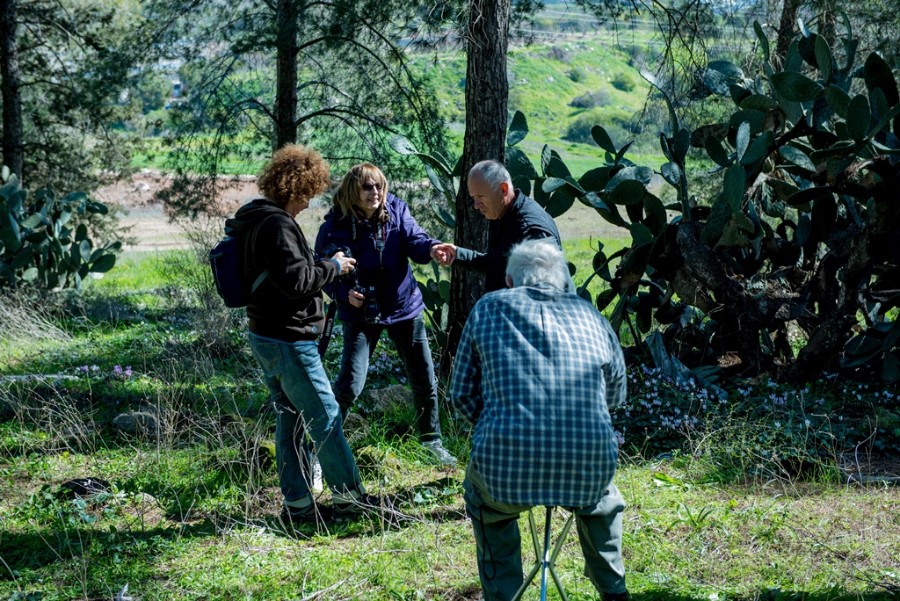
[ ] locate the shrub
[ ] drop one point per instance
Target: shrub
(579, 130)
(590, 100)
(623, 82)
(800, 233)
(45, 241)
(577, 74)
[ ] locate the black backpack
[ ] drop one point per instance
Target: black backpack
(226, 262)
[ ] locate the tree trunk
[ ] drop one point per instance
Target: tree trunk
(851, 275)
(13, 148)
(828, 14)
(737, 315)
(487, 93)
(286, 74)
(785, 31)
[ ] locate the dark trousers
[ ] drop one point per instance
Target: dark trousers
(498, 542)
(411, 341)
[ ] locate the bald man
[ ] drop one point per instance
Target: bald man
(513, 217)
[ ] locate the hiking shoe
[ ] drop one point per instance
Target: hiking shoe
(365, 504)
(313, 514)
(439, 453)
(616, 596)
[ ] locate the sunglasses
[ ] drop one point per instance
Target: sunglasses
(370, 187)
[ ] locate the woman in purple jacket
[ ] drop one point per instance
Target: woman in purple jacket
(381, 234)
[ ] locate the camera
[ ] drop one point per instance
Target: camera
(331, 250)
(371, 310)
(370, 307)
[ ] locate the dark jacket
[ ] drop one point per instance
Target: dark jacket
(524, 220)
(396, 289)
(287, 305)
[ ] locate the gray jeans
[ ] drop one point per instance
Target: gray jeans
(499, 545)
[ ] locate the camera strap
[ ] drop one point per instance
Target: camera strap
(380, 238)
(329, 326)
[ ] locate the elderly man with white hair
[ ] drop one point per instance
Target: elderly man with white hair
(536, 371)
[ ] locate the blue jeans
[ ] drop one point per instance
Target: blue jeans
(498, 542)
(411, 340)
(305, 407)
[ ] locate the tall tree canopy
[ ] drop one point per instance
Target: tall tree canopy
(64, 65)
(261, 74)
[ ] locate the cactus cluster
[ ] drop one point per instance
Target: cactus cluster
(803, 233)
(792, 265)
(45, 241)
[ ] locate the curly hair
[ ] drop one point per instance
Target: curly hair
(346, 199)
(294, 173)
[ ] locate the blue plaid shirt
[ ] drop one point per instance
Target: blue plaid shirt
(535, 372)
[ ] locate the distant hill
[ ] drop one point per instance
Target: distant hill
(564, 82)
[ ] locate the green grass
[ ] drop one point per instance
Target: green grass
(683, 539)
(745, 503)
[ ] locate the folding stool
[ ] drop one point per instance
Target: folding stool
(546, 561)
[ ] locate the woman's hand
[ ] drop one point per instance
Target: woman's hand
(347, 264)
(444, 253)
(356, 298)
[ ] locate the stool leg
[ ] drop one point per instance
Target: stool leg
(556, 549)
(545, 559)
(532, 528)
(545, 562)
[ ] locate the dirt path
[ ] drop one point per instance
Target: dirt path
(152, 228)
(146, 218)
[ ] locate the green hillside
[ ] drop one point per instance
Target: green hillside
(566, 73)
(563, 87)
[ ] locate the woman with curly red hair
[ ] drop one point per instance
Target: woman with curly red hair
(285, 318)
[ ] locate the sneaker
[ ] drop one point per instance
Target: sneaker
(438, 452)
(364, 505)
(616, 596)
(316, 470)
(313, 514)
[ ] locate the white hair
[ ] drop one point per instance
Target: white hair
(536, 263)
(492, 172)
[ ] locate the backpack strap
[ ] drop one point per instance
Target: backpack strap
(265, 272)
(259, 280)
(237, 229)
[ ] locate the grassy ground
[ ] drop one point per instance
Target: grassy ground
(723, 503)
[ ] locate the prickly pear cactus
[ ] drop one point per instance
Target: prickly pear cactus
(803, 233)
(43, 241)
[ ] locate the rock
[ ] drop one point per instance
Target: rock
(380, 465)
(385, 400)
(82, 487)
(356, 428)
(263, 455)
(144, 508)
(138, 423)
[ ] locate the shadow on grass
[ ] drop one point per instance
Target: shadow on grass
(394, 512)
(40, 548)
